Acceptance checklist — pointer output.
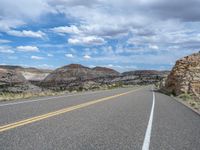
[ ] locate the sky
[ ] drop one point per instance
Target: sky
(120, 34)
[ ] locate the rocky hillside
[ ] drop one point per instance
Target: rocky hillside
(15, 82)
(185, 76)
(69, 73)
(31, 74)
(76, 76)
(11, 77)
(103, 71)
(145, 73)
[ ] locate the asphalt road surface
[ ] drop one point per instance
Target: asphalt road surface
(119, 119)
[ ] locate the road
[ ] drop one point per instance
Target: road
(118, 119)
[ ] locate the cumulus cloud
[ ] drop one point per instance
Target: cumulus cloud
(155, 47)
(121, 68)
(69, 55)
(89, 40)
(28, 48)
(6, 49)
(45, 66)
(6, 24)
(21, 12)
(27, 33)
(86, 56)
(37, 57)
(66, 29)
(23, 9)
(3, 41)
(140, 27)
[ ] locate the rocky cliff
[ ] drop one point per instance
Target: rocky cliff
(185, 76)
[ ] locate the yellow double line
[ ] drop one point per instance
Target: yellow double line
(58, 112)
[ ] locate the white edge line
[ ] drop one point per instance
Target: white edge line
(147, 138)
(45, 99)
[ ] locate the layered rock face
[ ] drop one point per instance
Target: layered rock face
(30, 74)
(185, 76)
(13, 81)
(103, 71)
(11, 77)
(69, 73)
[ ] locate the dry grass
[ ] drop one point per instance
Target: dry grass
(6, 96)
(191, 100)
(13, 96)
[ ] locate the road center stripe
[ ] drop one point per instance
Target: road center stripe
(147, 138)
(58, 112)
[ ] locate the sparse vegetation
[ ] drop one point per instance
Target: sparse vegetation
(190, 100)
(6, 96)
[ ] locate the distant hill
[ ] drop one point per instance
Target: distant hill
(103, 71)
(77, 76)
(78, 72)
(31, 74)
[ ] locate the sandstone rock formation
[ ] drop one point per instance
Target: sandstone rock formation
(185, 76)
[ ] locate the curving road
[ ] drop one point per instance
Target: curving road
(119, 119)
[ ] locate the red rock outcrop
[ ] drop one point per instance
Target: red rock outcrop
(185, 76)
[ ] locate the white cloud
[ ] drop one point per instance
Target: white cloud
(37, 57)
(157, 27)
(121, 68)
(23, 9)
(66, 29)
(50, 55)
(2, 41)
(6, 23)
(45, 66)
(28, 49)
(6, 49)
(155, 47)
(86, 56)
(69, 55)
(27, 33)
(90, 40)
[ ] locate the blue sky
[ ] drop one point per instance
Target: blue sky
(120, 34)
